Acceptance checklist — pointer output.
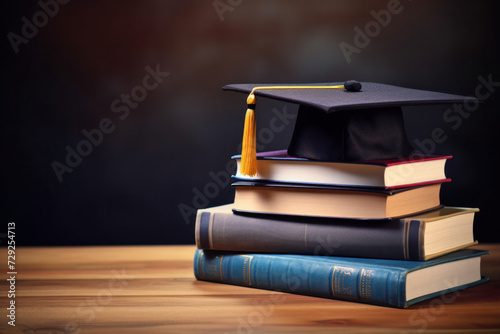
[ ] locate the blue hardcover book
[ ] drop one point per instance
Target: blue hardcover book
(383, 282)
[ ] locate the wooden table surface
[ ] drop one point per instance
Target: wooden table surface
(151, 289)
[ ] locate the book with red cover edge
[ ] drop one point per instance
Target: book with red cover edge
(284, 156)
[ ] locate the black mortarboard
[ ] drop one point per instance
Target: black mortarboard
(354, 122)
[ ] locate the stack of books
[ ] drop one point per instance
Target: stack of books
(340, 217)
(396, 245)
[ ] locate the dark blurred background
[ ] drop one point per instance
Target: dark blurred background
(148, 76)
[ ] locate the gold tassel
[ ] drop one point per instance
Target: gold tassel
(249, 147)
(248, 165)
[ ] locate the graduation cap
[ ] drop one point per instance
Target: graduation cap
(352, 121)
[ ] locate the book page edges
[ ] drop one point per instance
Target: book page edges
(444, 212)
(432, 256)
(443, 292)
(197, 230)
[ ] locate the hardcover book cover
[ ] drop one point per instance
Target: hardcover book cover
(333, 201)
(374, 281)
(279, 166)
(419, 237)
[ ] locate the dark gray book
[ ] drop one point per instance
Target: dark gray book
(419, 237)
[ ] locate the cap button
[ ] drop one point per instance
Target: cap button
(352, 86)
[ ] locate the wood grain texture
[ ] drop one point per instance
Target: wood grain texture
(152, 289)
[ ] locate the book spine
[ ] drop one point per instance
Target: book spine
(352, 282)
(401, 239)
